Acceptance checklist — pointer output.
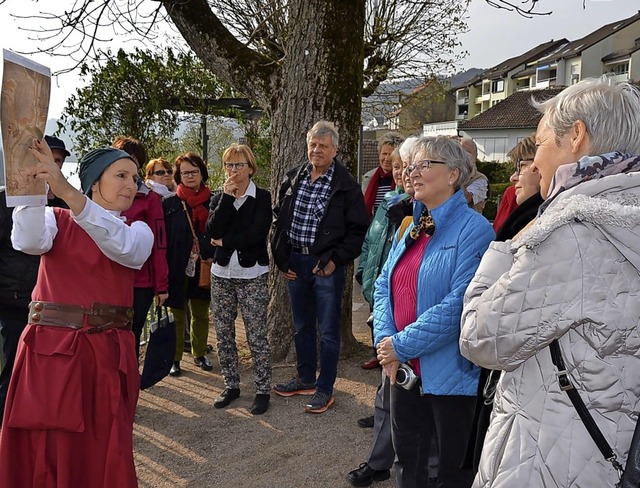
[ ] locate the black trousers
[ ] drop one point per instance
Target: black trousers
(142, 300)
(12, 324)
(415, 418)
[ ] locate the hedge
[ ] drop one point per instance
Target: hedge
(498, 174)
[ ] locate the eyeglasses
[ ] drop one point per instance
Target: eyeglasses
(162, 172)
(193, 173)
(520, 165)
(421, 166)
(230, 166)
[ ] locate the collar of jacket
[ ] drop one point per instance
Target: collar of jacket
(142, 188)
(338, 182)
(608, 211)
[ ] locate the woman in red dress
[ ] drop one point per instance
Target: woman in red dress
(69, 416)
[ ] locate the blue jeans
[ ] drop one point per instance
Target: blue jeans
(316, 300)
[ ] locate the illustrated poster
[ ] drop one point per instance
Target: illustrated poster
(26, 87)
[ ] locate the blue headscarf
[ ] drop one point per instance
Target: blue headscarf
(95, 162)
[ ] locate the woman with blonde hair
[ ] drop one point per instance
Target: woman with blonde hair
(159, 177)
(238, 226)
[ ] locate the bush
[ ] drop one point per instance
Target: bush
(495, 171)
(498, 174)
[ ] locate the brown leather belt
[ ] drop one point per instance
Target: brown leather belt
(100, 317)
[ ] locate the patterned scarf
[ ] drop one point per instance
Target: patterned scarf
(589, 168)
(425, 223)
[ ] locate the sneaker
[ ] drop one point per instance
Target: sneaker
(319, 403)
(260, 404)
(203, 362)
(294, 387)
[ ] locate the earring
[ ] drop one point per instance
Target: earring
(450, 183)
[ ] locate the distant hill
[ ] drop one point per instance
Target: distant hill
(388, 97)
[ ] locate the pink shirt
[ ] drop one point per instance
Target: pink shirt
(404, 286)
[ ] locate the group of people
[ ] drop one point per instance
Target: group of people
(480, 333)
(487, 336)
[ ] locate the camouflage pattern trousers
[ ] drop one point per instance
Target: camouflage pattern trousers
(252, 296)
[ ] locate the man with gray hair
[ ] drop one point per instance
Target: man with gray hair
(320, 222)
(476, 190)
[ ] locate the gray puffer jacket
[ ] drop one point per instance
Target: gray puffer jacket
(572, 275)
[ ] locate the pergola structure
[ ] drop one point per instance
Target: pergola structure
(217, 106)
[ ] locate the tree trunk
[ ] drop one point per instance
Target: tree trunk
(321, 79)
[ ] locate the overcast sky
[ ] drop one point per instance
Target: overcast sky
(494, 35)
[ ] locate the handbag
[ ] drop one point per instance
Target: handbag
(204, 280)
(594, 431)
(161, 348)
(205, 275)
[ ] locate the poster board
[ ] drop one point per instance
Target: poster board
(24, 106)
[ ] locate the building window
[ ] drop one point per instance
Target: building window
(497, 86)
(547, 75)
(575, 73)
(619, 68)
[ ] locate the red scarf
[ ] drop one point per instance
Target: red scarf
(197, 200)
(372, 189)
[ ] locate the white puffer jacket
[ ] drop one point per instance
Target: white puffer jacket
(574, 276)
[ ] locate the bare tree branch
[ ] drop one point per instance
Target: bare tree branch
(527, 8)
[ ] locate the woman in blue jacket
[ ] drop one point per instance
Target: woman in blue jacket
(417, 307)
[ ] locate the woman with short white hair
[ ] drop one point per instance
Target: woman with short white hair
(417, 306)
(566, 286)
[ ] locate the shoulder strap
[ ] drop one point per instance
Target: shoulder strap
(594, 431)
(406, 222)
(193, 232)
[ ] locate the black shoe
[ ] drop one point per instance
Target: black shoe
(203, 362)
(175, 369)
(366, 422)
(260, 404)
(365, 475)
(226, 397)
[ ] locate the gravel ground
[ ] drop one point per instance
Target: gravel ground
(182, 441)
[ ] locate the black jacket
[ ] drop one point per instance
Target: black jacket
(342, 228)
(18, 271)
(244, 230)
(179, 243)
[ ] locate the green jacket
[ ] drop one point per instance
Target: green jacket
(377, 244)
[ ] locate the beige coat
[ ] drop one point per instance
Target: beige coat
(571, 276)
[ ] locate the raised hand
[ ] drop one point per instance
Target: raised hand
(230, 186)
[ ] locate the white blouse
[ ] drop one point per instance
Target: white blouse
(35, 228)
(233, 269)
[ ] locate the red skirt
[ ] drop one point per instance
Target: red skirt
(68, 420)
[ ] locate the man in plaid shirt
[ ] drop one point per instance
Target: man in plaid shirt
(320, 224)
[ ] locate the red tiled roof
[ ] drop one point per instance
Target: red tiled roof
(514, 112)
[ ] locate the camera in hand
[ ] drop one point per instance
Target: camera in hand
(405, 377)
